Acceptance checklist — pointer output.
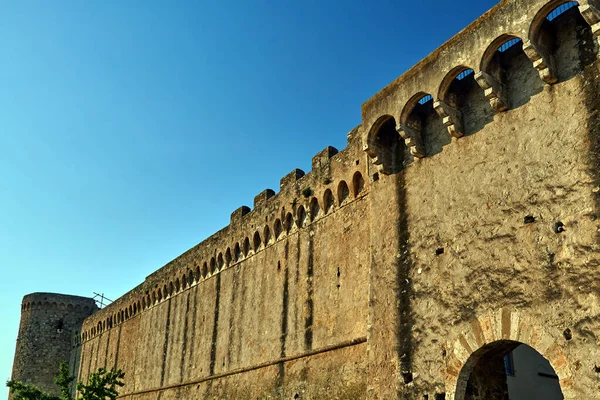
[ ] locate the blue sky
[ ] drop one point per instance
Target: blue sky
(130, 130)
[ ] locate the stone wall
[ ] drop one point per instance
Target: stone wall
(460, 221)
(49, 323)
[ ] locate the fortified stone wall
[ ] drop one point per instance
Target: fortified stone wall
(262, 307)
(49, 324)
(460, 221)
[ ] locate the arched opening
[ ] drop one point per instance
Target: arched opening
(563, 38)
(220, 261)
(267, 235)
(328, 201)
(463, 103)
(256, 241)
(385, 145)
(505, 370)
(358, 183)
(197, 273)
(314, 208)
(183, 281)
(228, 257)
(171, 289)
(343, 192)
(205, 270)
(213, 265)
(422, 126)
(509, 76)
(289, 223)
(237, 252)
(246, 247)
(165, 292)
(190, 278)
(277, 228)
(301, 216)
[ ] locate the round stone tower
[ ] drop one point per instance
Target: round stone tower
(49, 323)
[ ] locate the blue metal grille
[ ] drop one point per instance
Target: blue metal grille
(561, 9)
(425, 99)
(509, 44)
(464, 74)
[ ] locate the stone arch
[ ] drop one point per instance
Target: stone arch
(277, 228)
(462, 104)
(220, 261)
(315, 209)
(246, 248)
(503, 327)
(183, 281)
(421, 127)
(328, 201)
(267, 235)
(212, 266)
(237, 252)
(228, 257)
(256, 241)
(343, 192)
(560, 42)
(205, 270)
(301, 216)
(384, 145)
(358, 184)
(190, 277)
(197, 273)
(289, 223)
(506, 74)
(171, 289)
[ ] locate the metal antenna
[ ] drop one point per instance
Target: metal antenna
(100, 299)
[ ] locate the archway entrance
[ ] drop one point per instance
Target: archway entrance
(508, 370)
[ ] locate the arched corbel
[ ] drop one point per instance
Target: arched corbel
(412, 139)
(451, 117)
(543, 61)
(495, 91)
(590, 9)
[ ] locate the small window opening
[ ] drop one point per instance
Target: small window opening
(301, 217)
(246, 247)
(507, 45)
(256, 241)
(289, 223)
(561, 9)
(328, 200)
(314, 208)
(237, 252)
(277, 229)
(343, 192)
(425, 99)
(59, 326)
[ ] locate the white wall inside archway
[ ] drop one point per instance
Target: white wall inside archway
(532, 377)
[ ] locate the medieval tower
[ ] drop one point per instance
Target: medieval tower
(450, 252)
(49, 325)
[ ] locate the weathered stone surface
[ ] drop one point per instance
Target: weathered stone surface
(396, 282)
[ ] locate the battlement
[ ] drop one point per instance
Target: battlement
(480, 54)
(460, 219)
(337, 178)
(472, 67)
(39, 301)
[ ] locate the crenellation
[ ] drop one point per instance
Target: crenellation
(290, 179)
(261, 199)
(405, 278)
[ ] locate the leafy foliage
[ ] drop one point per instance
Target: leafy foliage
(102, 385)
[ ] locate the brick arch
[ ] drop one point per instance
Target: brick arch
(503, 325)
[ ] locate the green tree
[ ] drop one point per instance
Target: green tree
(102, 385)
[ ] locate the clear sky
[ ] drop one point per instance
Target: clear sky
(130, 130)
